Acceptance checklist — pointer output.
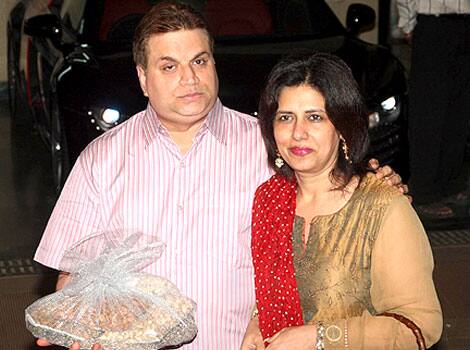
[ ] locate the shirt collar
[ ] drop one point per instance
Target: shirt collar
(215, 123)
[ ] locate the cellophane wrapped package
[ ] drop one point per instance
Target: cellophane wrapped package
(109, 300)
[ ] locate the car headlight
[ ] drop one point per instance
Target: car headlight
(387, 112)
(389, 104)
(105, 118)
(110, 116)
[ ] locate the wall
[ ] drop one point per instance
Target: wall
(5, 6)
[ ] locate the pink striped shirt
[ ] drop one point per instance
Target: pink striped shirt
(134, 177)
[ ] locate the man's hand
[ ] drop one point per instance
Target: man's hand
(75, 345)
(252, 339)
(62, 280)
(408, 37)
(42, 342)
(389, 175)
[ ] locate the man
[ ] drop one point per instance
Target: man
(186, 169)
(439, 98)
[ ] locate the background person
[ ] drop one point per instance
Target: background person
(439, 32)
(333, 247)
(185, 169)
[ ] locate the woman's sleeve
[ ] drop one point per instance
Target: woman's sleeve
(401, 276)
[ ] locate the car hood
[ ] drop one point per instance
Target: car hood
(107, 80)
(243, 68)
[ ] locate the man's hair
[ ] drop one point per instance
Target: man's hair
(344, 105)
(165, 17)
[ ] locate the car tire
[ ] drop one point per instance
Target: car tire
(59, 151)
(12, 72)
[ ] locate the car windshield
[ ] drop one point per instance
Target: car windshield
(227, 19)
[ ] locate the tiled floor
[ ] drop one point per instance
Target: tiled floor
(27, 199)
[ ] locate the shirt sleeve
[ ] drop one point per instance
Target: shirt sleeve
(401, 275)
(75, 215)
(406, 14)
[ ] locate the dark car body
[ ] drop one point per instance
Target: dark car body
(71, 60)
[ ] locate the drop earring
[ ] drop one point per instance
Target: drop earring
(279, 161)
(345, 149)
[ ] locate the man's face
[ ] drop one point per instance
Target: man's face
(180, 80)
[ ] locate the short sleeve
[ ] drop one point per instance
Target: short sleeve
(75, 215)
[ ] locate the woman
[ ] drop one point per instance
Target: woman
(341, 259)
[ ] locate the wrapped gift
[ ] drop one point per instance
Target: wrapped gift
(110, 300)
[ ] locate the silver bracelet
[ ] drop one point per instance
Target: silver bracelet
(320, 345)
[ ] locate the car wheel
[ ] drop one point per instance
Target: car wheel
(12, 77)
(59, 151)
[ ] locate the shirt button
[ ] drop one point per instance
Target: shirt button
(180, 207)
(182, 165)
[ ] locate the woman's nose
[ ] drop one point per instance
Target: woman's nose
(299, 132)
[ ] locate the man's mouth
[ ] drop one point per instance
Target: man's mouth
(192, 96)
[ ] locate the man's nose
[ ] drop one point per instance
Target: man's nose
(189, 75)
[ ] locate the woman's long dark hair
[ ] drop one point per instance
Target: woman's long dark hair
(344, 106)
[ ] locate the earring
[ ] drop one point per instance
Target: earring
(279, 161)
(344, 146)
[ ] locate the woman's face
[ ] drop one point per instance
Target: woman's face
(304, 135)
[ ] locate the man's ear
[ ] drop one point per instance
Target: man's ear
(142, 79)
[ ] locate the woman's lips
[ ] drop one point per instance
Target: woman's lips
(300, 151)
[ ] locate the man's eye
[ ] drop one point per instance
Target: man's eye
(200, 61)
(169, 67)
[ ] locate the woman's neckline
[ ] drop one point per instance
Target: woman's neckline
(356, 192)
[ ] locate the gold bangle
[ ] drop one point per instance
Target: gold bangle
(254, 313)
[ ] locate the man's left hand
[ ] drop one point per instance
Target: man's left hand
(389, 175)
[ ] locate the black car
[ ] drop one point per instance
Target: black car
(71, 61)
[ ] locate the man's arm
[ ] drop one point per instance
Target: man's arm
(77, 201)
(406, 16)
(62, 280)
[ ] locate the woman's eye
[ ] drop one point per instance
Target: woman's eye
(283, 117)
(314, 117)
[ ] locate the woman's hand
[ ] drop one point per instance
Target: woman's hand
(389, 175)
(299, 338)
(252, 339)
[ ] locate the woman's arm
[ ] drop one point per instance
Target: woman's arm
(401, 275)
